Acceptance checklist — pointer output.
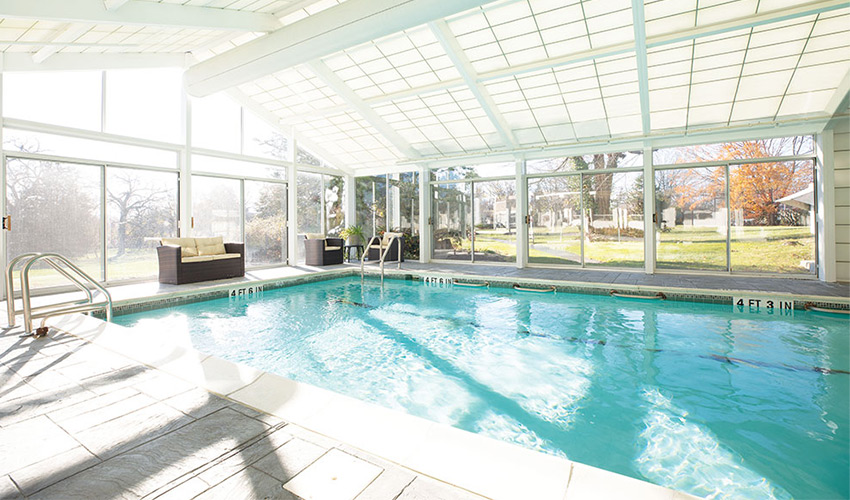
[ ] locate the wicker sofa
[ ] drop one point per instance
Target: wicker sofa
(189, 260)
(322, 251)
(378, 245)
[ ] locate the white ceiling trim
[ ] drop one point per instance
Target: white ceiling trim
(351, 23)
(138, 13)
(349, 96)
(458, 57)
(83, 61)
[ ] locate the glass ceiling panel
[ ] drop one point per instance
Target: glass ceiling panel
(413, 58)
(449, 121)
(292, 92)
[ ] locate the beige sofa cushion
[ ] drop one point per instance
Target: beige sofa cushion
(201, 258)
(226, 256)
(210, 246)
(187, 246)
(332, 248)
(315, 236)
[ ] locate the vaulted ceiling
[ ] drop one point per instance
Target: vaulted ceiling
(378, 82)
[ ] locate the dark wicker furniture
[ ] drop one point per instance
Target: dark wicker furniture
(323, 251)
(176, 270)
(396, 251)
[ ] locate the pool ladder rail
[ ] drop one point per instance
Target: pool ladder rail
(383, 257)
(65, 268)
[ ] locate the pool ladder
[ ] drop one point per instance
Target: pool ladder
(383, 257)
(72, 273)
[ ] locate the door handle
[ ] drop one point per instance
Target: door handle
(7, 223)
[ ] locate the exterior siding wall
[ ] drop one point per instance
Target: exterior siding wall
(842, 199)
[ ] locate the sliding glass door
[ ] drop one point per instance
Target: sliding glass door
(265, 223)
(452, 209)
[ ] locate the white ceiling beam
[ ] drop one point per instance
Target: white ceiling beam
(274, 121)
(348, 24)
(70, 34)
(639, 22)
(467, 72)
(839, 96)
(114, 4)
(139, 14)
(349, 96)
(20, 61)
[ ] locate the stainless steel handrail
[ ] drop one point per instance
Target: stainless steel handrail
(56, 261)
(10, 284)
(381, 259)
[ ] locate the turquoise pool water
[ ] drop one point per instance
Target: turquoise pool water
(697, 397)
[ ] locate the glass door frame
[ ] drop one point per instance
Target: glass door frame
(103, 274)
(471, 182)
(242, 180)
(582, 175)
(727, 165)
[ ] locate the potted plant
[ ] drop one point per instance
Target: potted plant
(354, 235)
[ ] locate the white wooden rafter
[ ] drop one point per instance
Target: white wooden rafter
(450, 45)
(639, 22)
(114, 4)
(62, 61)
(336, 83)
(138, 14)
(71, 33)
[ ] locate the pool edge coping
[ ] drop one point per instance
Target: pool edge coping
(476, 463)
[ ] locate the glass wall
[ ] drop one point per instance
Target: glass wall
(770, 223)
(691, 219)
(216, 208)
(141, 208)
(587, 211)
(453, 227)
(265, 223)
(390, 202)
(55, 207)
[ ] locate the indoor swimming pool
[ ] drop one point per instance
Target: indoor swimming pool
(707, 399)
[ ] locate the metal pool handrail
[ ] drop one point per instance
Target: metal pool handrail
(70, 271)
(383, 256)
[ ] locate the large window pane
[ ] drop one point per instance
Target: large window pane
(764, 148)
(627, 159)
(452, 210)
(141, 208)
(86, 149)
(403, 210)
(265, 223)
(69, 98)
(309, 207)
(613, 210)
(371, 204)
(144, 103)
(495, 221)
(216, 123)
(55, 207)
(217, 208)
(554, 235)
(260, 139)
(692, 218)
(474, 171)
(773, 217)
(334, 208)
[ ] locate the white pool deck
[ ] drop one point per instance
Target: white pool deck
(100, 411)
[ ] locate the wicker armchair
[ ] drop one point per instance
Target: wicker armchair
(321, 251)
(378, 245)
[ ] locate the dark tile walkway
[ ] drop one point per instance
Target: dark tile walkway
(80, 422)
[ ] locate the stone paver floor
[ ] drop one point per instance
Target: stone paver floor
(78, 421)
